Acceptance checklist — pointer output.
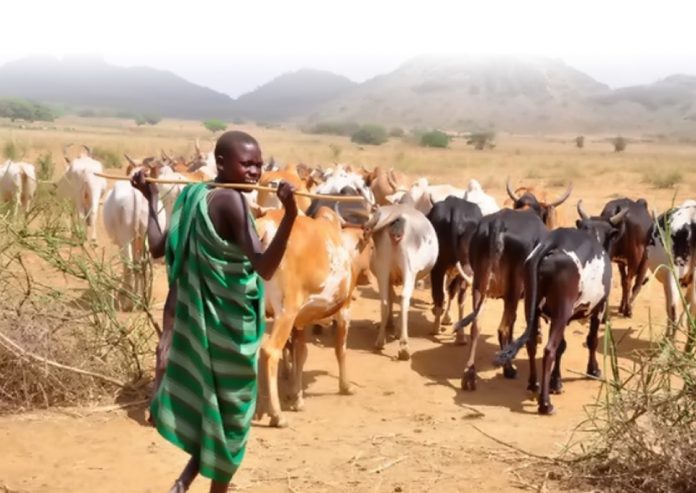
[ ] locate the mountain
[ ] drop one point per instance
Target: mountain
(293, 94)
(91, 82)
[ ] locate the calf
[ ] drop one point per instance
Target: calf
(677, 228)
(302, 292)
(406, 250)
(17, 185)
(454, 221)
(629, 250)
(85, 190)
(497, 251)
(529, 198)
(567, 277)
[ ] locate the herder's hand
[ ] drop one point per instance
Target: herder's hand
(287, 197)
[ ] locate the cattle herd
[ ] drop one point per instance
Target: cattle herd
(401, 233)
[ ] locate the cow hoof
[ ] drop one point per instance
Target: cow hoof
(379, 345)
(297, 405)
(546, 409)
(404, 354)
(510, 372)
(346, 389)
(556, 386)
(469, 379)
(460, 338)
(278, 422)
(538, 339)
(596, 373)
(533, 387)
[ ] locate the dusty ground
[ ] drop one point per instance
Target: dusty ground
(408, 418)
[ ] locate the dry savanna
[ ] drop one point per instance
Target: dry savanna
(409, 427)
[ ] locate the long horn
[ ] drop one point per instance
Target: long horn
(563, 197)
(391, 179)
(165, 156)
(65, 153)
(509, 190)
(198, 147)
(616, 219)
(86, 148)
(581, 211)
(130, 160)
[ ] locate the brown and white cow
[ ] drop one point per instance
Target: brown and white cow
(538, 200)
(302, 292)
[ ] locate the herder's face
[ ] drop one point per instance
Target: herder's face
(242, 164)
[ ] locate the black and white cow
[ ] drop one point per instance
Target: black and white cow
(678, 226)
(455, 221)
(567, 277)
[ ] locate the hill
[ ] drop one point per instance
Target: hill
(91, 82)
(293, 94)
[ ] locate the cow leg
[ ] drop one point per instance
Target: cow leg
(556, 383)
(691, 301)
(437, 285)
(299, 357)
(125, 302)
(641, 272)
(461, 296)
(271, 351)
(625, 288)
(533, 383)
(385, 305)
(469, 377)
(390, 317)
(559, 320)
(592, 365)
(342, 323)
(507, 322)
(406, 293)
(671, 297)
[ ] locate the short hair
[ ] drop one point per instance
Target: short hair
(226, 142)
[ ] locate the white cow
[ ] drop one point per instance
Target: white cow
(83, 188)
(334, 180)
(405, 251)
(17, 184)
(475, 194)
(125, 221)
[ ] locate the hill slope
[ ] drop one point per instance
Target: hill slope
(91, 82)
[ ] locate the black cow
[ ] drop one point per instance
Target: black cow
(630, 250)
(567, 277)
(501, 243)
(455, 221)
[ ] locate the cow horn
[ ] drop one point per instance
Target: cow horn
(165, 156)
(616, 219)
(198, 147)
(509, 190)
(89, 151)
(65, 153)
(130, 160)
(563, 197)
(581, 211)
(391, 179)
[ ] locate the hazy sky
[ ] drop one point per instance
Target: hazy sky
(234, 46)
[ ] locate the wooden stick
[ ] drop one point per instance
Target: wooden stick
(238, 186)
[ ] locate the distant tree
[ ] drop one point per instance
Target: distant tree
(619, 143)
(151, 119)
(215, 125)
(22, 109)
(481, 140)
(397, 132)
(334, 128)
(140, 120)
(238, 121)
(435, 138)
(580, 141)
(370, 134)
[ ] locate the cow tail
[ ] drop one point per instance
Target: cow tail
(495, 247)
(507, 354)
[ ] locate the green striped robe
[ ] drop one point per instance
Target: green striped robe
(207, 396)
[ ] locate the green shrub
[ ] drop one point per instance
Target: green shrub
(619, 143)
(580, 141)
(370, 134)
(151, 119)
(481, 140)
(22, 109)
(396, 132)
(108, 157)
(335, 151)
(663, 180)
(334, 128)
(215, 125)
(14, 151)
(435, 138)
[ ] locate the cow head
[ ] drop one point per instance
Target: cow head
(606, 230)
(545, 210)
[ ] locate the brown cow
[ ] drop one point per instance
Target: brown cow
(537, 199)
(291, 175)
(302, 292)
(383, 183)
